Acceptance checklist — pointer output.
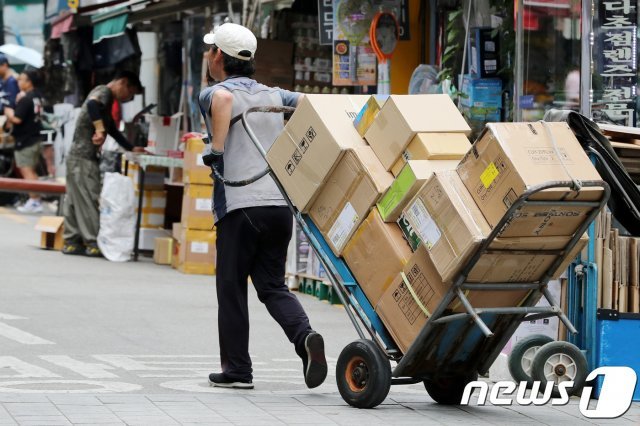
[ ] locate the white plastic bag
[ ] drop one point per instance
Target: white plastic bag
(117, 217)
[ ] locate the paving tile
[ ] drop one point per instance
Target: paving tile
(74, 400)
(31, 408)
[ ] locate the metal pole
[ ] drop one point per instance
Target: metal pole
(519, 65)
(586, 20)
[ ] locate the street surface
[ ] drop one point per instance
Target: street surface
(86, 341)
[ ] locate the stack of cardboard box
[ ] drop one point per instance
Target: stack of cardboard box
(406, 239)
(194, 245)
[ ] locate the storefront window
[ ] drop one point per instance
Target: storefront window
(550, 31)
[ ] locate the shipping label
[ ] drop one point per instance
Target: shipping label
(203, 204)
(199, 247)
(343, 226)
(423, 224)
(495, 172)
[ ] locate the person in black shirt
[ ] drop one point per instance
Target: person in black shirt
(26, 122)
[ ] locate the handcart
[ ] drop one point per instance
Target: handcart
(452, 348)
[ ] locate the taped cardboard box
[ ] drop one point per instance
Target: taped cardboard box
(510, 158)
(353, 187)
(404, 317)
(163, 251)
(368, 113)
(51, 232)
(433, 146)
(312, 142)
(153, 208)
(445, 219)
(375, 254)
(196, 252)
(197, 207)
(153, 177)
(413, 176)
(194, 171)
(403, 116)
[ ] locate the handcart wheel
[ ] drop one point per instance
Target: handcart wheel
(522, 355)
(363, 374)
(448, 390)
(559, 362)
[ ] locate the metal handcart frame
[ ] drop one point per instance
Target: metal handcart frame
(452, 348)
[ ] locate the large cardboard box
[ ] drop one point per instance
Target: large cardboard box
(197, 207)
(353, 187)
(402, 116)
(375, 254)
(196, 252)
(433, 146)
(194, 171)
(404, 317)
(445, 219)
(413, 176)
(312, 142)
(510, 158)
(51, 232)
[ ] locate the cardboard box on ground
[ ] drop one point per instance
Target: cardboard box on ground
(194, 250)
(312, 142)
(194, 171)
(163, 251)
(403, 116)
(51, 232)
(433, 146)
(352, 188)
(375, 254)
(510, 158)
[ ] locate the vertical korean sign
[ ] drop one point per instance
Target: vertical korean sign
(615, 58)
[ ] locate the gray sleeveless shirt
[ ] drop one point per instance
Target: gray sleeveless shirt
(241, 159)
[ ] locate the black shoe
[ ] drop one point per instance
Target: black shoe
(314, 364)
(92, 251)
(72, 248)
(220, 380)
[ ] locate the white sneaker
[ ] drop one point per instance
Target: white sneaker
(31, 206)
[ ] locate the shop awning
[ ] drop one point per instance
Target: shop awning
(109, 24)
(62, 26)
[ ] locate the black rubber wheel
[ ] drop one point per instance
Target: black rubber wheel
(522, 355)
(448, 390)
(559, 362)
(363, 374)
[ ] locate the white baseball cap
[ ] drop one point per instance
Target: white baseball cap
(234, 40)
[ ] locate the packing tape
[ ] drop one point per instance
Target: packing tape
(415, 296)
(577, 185)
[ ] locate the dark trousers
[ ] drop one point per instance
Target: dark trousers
(253, 242)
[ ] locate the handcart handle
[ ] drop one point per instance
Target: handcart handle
(254, 139)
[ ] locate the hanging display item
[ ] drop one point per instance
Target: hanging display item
(615, 76)
(354, 62)
(384, 35)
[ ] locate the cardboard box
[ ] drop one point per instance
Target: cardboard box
(402, 116)
(312, 142)
(412, 177)
(193, 170)
(433, 146)
(153, 208)
(368, 113)
(196, 252)
(164, 132)
(353, 187)
(505, 267)
(163, 251)
(153, 177)
(197, 207)
(375, 254)
(402, 315)
(445, 219)
(510, 158)
(51, 232)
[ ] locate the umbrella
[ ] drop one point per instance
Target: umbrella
(23, 54)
